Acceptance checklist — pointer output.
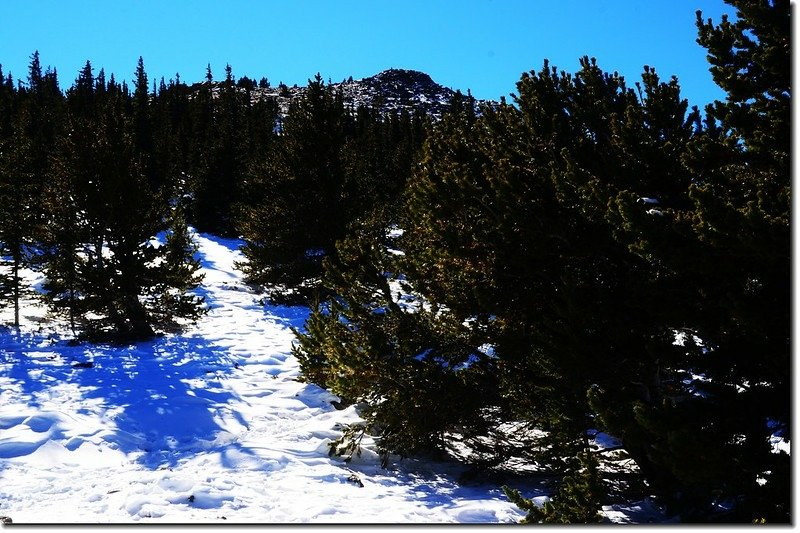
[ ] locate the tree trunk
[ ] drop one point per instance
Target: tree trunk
(17, 261)
(140, 328)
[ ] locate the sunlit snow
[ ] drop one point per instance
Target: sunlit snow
(208, 426)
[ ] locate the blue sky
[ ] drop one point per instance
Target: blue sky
(481, 45)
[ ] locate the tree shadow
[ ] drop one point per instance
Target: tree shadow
(21, 366)
(290, 316)
(167, 397)
(158, 402)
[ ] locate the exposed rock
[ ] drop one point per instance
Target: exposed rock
(352, 478)
(390, 90)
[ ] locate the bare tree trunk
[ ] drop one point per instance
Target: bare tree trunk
(17, 261)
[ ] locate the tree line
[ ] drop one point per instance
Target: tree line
(502, 286)
(99, 184)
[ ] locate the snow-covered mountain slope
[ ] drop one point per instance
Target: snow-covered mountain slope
(210, 425)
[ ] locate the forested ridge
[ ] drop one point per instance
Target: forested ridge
(500, 286)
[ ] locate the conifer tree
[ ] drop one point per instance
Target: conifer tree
(576, 501)
(30, 129)
(64, 238)
(17, 216)
(414, 372)
(143, 125)
(728, 249)
(296, 210)
(173, 140)
(112, 269)
(200, 146)
(173, 303)
(223, 158)
(512, 231)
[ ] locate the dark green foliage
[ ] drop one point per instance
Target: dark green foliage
(31, 117)
(325, 170)
(297, 207)
(378, 158)
(62, 243)
(526, 241)
(103, 213)
(593, 256)
(17, 215)
(628, 263)
(728, 250)
(220, 153)
(750, 60)
(100, 163)
(578, 498)
(170, 299)
(349, 443)
(414, 375)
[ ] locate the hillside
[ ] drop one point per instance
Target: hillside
(207, 426)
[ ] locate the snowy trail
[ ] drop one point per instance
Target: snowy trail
(209, 426)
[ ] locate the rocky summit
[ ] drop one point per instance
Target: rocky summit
(391, 90)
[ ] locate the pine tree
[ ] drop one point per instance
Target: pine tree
(512, 229)
(200, 146)
(175, 277)
(218, 188)
(30, 129)
(101, 258)
(17, 214)
(295, 209)
(576, 501)
(11, 238)
(63, 237)
(172, 134)
(143, 125)
(727, 247)
(413, 373)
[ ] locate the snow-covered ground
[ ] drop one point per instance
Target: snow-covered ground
(208, 426)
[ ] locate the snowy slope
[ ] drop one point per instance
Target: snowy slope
(209, 426)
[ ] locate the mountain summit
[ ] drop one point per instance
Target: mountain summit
(399, 88)
(391, 90)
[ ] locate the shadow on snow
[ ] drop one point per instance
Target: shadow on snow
(157, 401)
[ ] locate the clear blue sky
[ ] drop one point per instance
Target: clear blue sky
(482, 45)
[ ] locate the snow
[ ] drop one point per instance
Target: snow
(207, 426)
(647, 200)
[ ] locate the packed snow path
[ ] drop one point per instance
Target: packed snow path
(209, 426)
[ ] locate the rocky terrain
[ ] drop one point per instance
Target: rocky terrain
(390, 90)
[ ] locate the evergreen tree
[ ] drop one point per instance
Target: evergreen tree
(173, 141)
(65, 238)
(512, 231)
(173, 303)
(113, 269)
(30, 130)
(219, 187)
(296, 209)
(576, 501)
(728, 249)
(17, 215)
(413, 372)
(143, 125)
(378, 157)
